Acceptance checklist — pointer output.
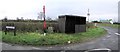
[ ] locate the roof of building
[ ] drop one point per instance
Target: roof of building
(71, 16)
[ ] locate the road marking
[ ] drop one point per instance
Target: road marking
(63, 47)
(46, 49)
(68, 47)
(49, 47)
(35, 48)
(108, 36)
(117, 33)
(102, 49)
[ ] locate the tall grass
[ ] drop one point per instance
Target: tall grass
(38, 39)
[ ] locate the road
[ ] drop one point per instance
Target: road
(110, 41)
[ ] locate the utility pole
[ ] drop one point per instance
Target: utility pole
(44, 23)
(88, 14)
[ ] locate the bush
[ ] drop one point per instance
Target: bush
(96, 22)
(116, 23)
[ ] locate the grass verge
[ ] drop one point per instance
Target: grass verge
(37, 39)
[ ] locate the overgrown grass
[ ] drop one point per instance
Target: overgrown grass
(37, 39)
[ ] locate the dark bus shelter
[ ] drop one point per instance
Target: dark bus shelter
(72, 24)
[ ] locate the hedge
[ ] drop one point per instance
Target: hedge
(35, 26)
(28, 26)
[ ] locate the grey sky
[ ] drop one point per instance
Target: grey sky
(99, 9)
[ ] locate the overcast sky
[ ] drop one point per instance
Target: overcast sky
(29, 9)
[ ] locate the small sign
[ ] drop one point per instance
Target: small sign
(10, 27)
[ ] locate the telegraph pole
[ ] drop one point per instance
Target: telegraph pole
(44, 23)
(88, 14)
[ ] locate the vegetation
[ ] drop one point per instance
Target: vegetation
(29, 26)
(37, 39)
(32, 34)
(110, 25)
(35, 26)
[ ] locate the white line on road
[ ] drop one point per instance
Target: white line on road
(49, 47)
(35, 48)
(117, 33)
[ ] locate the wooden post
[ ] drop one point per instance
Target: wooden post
(15, 31)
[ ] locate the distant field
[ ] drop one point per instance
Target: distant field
(37, 39)
(110, 25)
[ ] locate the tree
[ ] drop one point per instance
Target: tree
(95, 21)
(18, 19)
(40, 15)
(5, 19)
(22, 18)
(110, 20)
(48, 19)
